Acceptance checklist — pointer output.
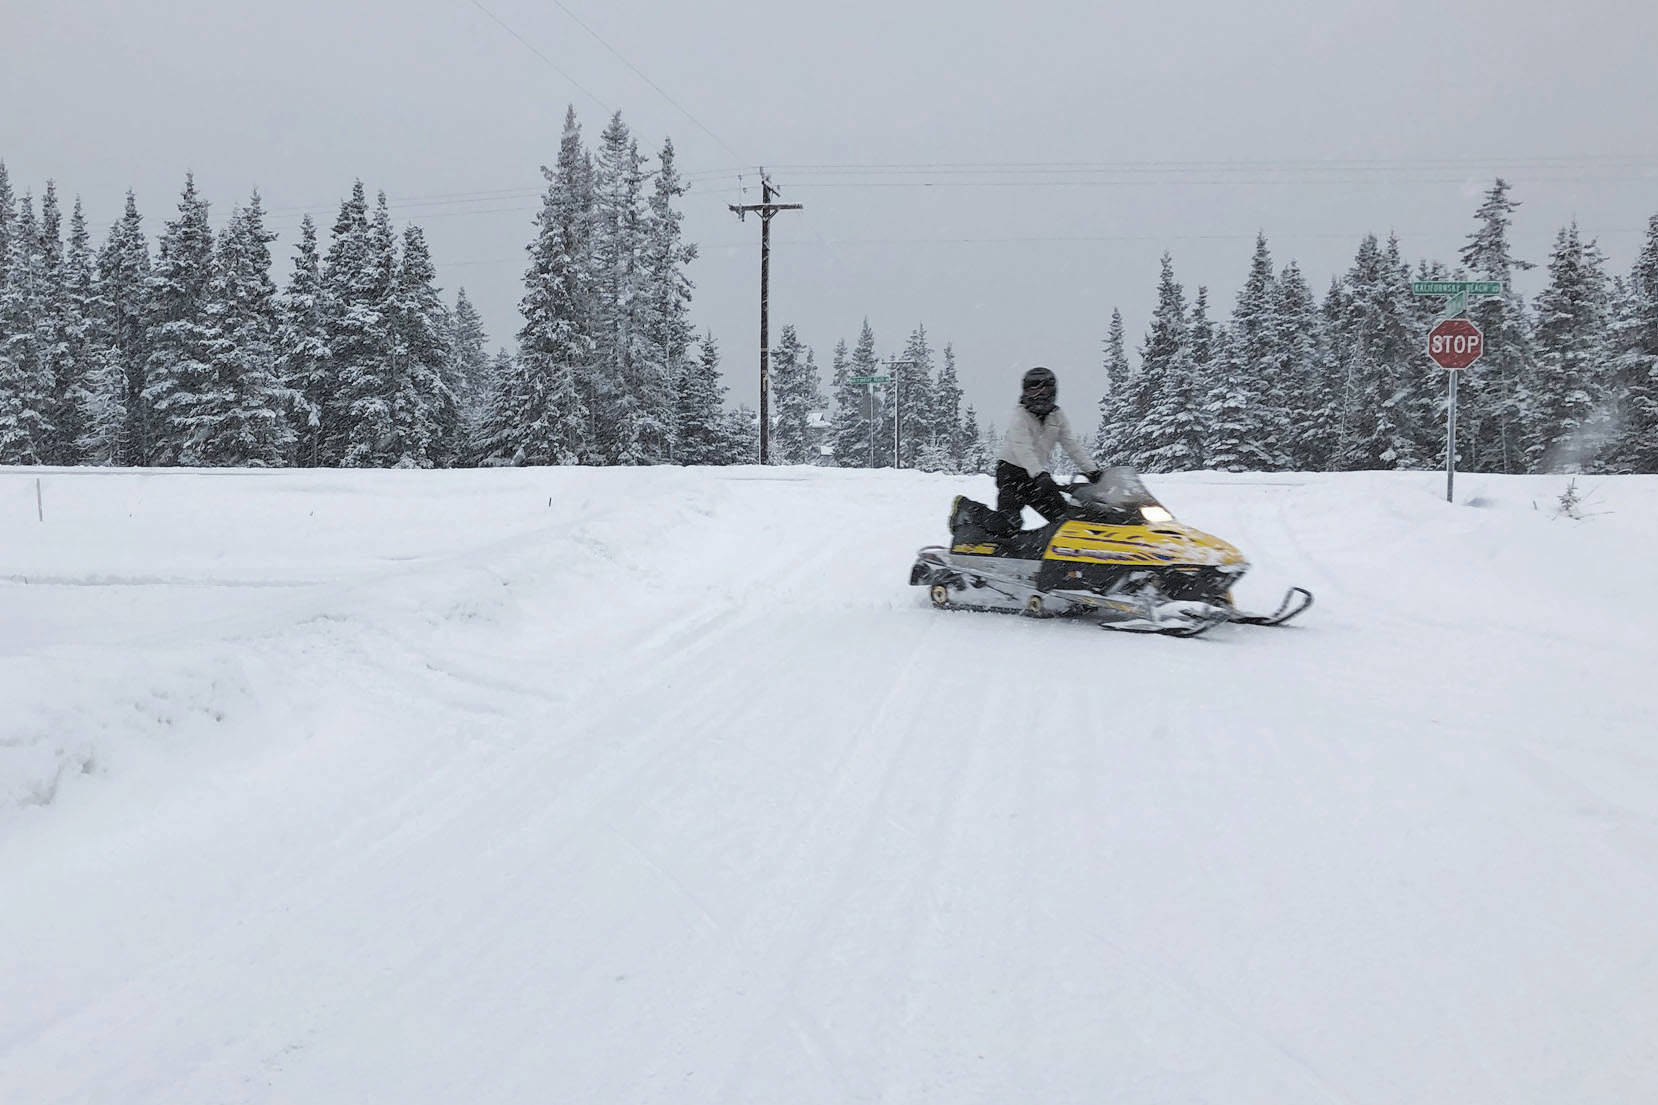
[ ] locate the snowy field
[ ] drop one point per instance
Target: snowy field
(663, 786)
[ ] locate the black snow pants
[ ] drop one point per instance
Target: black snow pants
(1017, 489)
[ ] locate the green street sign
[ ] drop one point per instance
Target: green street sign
(1454, 306)
(1457, 287)
(869, 379)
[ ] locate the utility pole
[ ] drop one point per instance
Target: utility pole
(765, 210)
(893, 364)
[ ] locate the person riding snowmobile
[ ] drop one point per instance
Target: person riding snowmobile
(1022, 468)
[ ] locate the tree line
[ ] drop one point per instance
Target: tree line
(1568, 382)
(192, 356)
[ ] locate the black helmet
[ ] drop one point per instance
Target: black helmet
(1039, 391)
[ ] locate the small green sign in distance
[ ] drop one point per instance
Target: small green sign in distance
(869, 379)
(1457, 287)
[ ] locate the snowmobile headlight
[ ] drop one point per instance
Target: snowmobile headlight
(1155, 514)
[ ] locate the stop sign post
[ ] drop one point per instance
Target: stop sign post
(1454, 344)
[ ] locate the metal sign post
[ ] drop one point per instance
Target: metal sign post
(868, 383)
(1454, 343)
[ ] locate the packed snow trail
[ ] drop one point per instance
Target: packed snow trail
(661, 786)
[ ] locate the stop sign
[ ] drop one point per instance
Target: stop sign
(1455, 343)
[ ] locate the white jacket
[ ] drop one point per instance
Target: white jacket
(1029, 441)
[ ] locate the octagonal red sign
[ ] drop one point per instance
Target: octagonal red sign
(1455, 343)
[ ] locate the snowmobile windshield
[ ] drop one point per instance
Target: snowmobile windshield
(1119, 497)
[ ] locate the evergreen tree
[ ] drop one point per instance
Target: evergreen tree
(25, 376)
(701, 395)
(1169, 435)
(179, 375)
(1489, 396)
(912, 389)
(540, 412)
(631, 428)
(740, 436)
(1385, 414)
(1634, 362)
(7, 200)
(303, 357)
(668, 298)
(350, 302)
(90, 397)
(852, 427)
(424, 418)
(472, 365)
(122, 328)
(948, 443)
(1116, 420)
(796, 394)
(976, 457)
(1335, 386)
(1261, 443)
(241, 419)
(1297, 370)
(1568, 386)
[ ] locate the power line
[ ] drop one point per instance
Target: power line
(532, 49)
(641, 75)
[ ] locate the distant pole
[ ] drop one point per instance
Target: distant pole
(765, 210)
(893, 365)
(1451, 438)
(40, 504)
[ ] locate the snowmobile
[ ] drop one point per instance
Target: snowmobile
(1119, 557)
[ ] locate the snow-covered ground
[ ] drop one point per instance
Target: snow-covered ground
(663, 786)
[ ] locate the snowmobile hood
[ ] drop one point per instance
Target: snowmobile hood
(1161, 544)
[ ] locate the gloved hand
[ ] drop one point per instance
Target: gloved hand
(1094, 476)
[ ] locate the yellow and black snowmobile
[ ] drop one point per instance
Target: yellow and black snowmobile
(1119, 558)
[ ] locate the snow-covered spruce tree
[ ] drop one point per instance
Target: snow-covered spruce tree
(305, 363)
(91, 409)
(1134, 402)
(471, 370)
(242, 420)
(1114, 430)
(1254, 371)
(796, 393)
(368, 386)
(352, 330)
(630, 431)
(698, 410)
(425, 421)
(912, 390)
(668, 297)
(1169, 437)
(851, 429)
(179, 375)
(539, 412)
(54, 324)
(1300, 372)
(1384, 413)
(1489, 395)
(740, 436)
(1634, 363)
(1564, 430)
(7, 200)
(976, 456)
(122, 329)
(947, 432)
(25, 380)
(1336, 385)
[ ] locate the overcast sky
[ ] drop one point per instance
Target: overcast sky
(1219, 118)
